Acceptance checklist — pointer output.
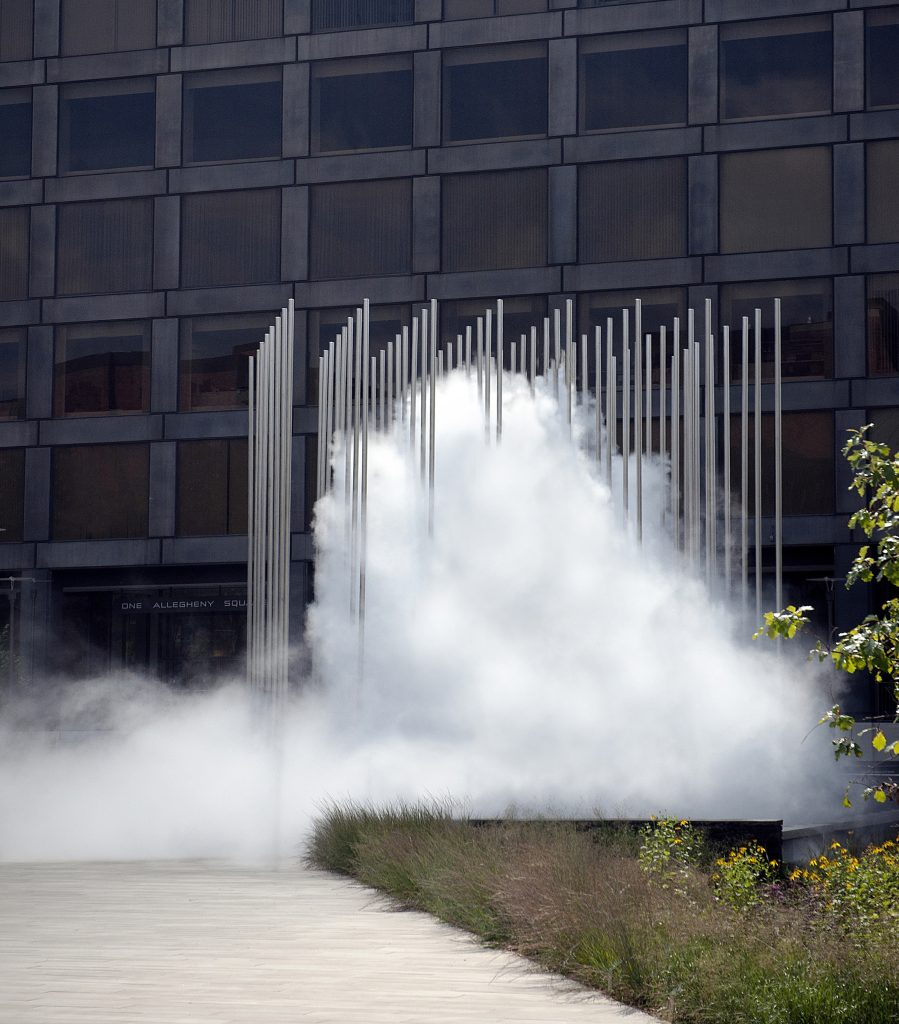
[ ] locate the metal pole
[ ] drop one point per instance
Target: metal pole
(533, 381)
(500, 364)
(638, 427)
(488, 355)
(758, 465)
(778, 459)
(675, 433)
(611, 392)
(663, 411)
(251, 528)
(728, 540)
(625, 413)
(426, 372)
(433, 419)
(390, 406)
(597, 390)
(546, 351)
(468, 350)
(557, 360)
(744, 467)
(413, 383)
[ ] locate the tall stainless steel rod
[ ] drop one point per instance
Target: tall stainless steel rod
(432, 405)
(758, 465)
(675, 433)
(413, 383)
(427, 370)
(727, 497)
(744, 466)
(597, 390)
(533, 380)
(251, 527)
(638, 427)
(778, 459)
(500, 354)
(488, 356)
(611, 391)
(625, 419)
(663, 410)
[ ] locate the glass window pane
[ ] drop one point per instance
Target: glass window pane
(494, 221)
(105, 247)
(494, 92)
(102, 368)
(12, 373)
(520, 313)
(103, 26)
(361, 229)
(232, 115)
(335, 15)
(364, 103)
(635, 80)
(221, 21)
(807, 327)
(883, 325)
(15, 131)
(107, 124)
(231, 238)
(883, 195)
(776, 199)
(16, 18)
(457, 9)
(213, 370)
(212, 488)
(14, 222)
(886, 427)
(12, 494)
(882, 43)
(100, 491)
(776, 68)
(632, 210)
(808, 462)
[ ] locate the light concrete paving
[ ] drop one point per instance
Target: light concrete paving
(205, 943)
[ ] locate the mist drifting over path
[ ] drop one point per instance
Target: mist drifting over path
(529, 654)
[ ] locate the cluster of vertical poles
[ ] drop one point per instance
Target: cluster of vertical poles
(360, 391)
(268, 526)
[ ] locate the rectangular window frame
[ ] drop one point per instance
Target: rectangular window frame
(99, 89)
(14, 340)
(62, 381)
(21, 97)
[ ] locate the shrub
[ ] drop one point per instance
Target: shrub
(738, 878)
(669, 850)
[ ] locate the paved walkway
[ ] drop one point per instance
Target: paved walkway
(204, 943)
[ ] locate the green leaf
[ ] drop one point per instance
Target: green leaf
(879, 742)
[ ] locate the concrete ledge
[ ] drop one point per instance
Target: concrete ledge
(79, 554)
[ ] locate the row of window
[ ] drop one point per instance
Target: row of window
(778, 199)
(102, 491)
(104, 368)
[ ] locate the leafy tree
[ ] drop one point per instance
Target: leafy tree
(873, 645)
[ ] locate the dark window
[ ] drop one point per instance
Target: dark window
(12, 494)
(213, 370)
(15, 131)
(659, 308)
(385, 323)
(883, 325)
(634, 80)
(776, 199)
(886, 427)
(222, 21)
(776, 68)
(336, 15)
(102, 26)
(807, 326)
(232, 115)
(361, 229)
(364, 103)
(494, 92)
(14, 222)
(212, 488)
(100, 491)
(105, 247)
(494, 221)
(632, 210)
(102, 368)
(882, 43)
(106, 125)
(808, 462)
(230, 238)
(520, 314)
(456, 9)
(12, 373)
(15, 29)
(883, 195)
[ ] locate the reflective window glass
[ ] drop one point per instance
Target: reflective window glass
(102, 368)
(456, 9)
(807, 327)
(632, 210)
(212, 488)
(222, 21)
(776, 68)
(232, 115)
(15, 131)
(105, 125)
(12, 373)
(520, 314)
(634, 80)
(360, 229)
(363, 103)
(16, 18)
(886, 427)
(100, 491)
(882, 46)
(104, 247)
(103, 26)
(883, 325)
(808, 462)
(231, 238)
(337, 15)
(215, 351)
(12, 494)
(14, 223)
(883, 195)
(494, 92)
(494, 221)
(776, 199)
